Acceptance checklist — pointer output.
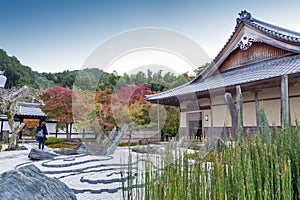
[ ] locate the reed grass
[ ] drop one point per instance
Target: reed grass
(264, 166)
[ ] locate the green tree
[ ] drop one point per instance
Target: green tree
(108, 80)
(200, 69)
(84, 111)
(16, 73)
(172, 121)
(139, 112)
(65, 79)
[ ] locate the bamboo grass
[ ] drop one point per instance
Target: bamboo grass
(262, 167)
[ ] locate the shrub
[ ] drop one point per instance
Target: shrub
(52, 140)
(0, 147)
(125, 144)
(61, 145)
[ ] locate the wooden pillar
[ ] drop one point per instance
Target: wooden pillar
(211, 142)
(1, 126)
(211, 118)
(284, 101)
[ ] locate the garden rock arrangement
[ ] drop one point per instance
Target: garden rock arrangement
(79, 149)
(148, 149)
(37, 154)
(29, 182)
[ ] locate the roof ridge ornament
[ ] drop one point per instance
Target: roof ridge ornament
(245, 43)
(244, 17)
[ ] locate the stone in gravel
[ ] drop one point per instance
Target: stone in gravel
(79, 149)
(22, 148)
(66, 151)
(147, 149)
(37, 154)
(29, 182)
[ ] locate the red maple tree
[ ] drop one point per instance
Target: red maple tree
(132, 93)
(104, 109)
(58, 106)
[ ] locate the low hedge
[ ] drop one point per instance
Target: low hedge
(52, 140)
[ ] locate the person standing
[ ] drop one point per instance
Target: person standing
(41, 134)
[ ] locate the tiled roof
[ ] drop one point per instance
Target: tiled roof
(269, 29)
(29, 109)
(249, 73)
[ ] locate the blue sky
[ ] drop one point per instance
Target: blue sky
(56, 35)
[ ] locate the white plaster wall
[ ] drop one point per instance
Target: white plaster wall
(269, 93)
(249, 114)
(294, 90)
(204, 102)
(220, 116)
(248, 96)
(272, 110)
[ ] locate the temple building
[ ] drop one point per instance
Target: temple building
(261, 58)
(30, 114)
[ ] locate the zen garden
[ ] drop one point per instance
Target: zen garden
(230, 132)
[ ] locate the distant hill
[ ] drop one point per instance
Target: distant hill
(16, 73)
(19, 75)
(156, 77)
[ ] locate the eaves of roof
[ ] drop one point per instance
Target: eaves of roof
(246, 74)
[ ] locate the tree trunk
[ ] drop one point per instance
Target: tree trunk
(71, 130)
(67, 132)
(14, 132)
(12, 141)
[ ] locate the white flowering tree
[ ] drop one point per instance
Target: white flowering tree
(8, 106)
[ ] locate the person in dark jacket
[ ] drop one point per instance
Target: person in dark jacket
(45, 132)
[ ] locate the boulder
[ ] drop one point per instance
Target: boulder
(66, 151)
(147, 149)
(20, 148)
(37, 154)
(29, 182)
(79, 149)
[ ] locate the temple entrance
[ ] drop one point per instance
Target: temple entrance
(195, 125)
(195, 129)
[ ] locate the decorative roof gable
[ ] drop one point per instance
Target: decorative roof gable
(249, 31)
